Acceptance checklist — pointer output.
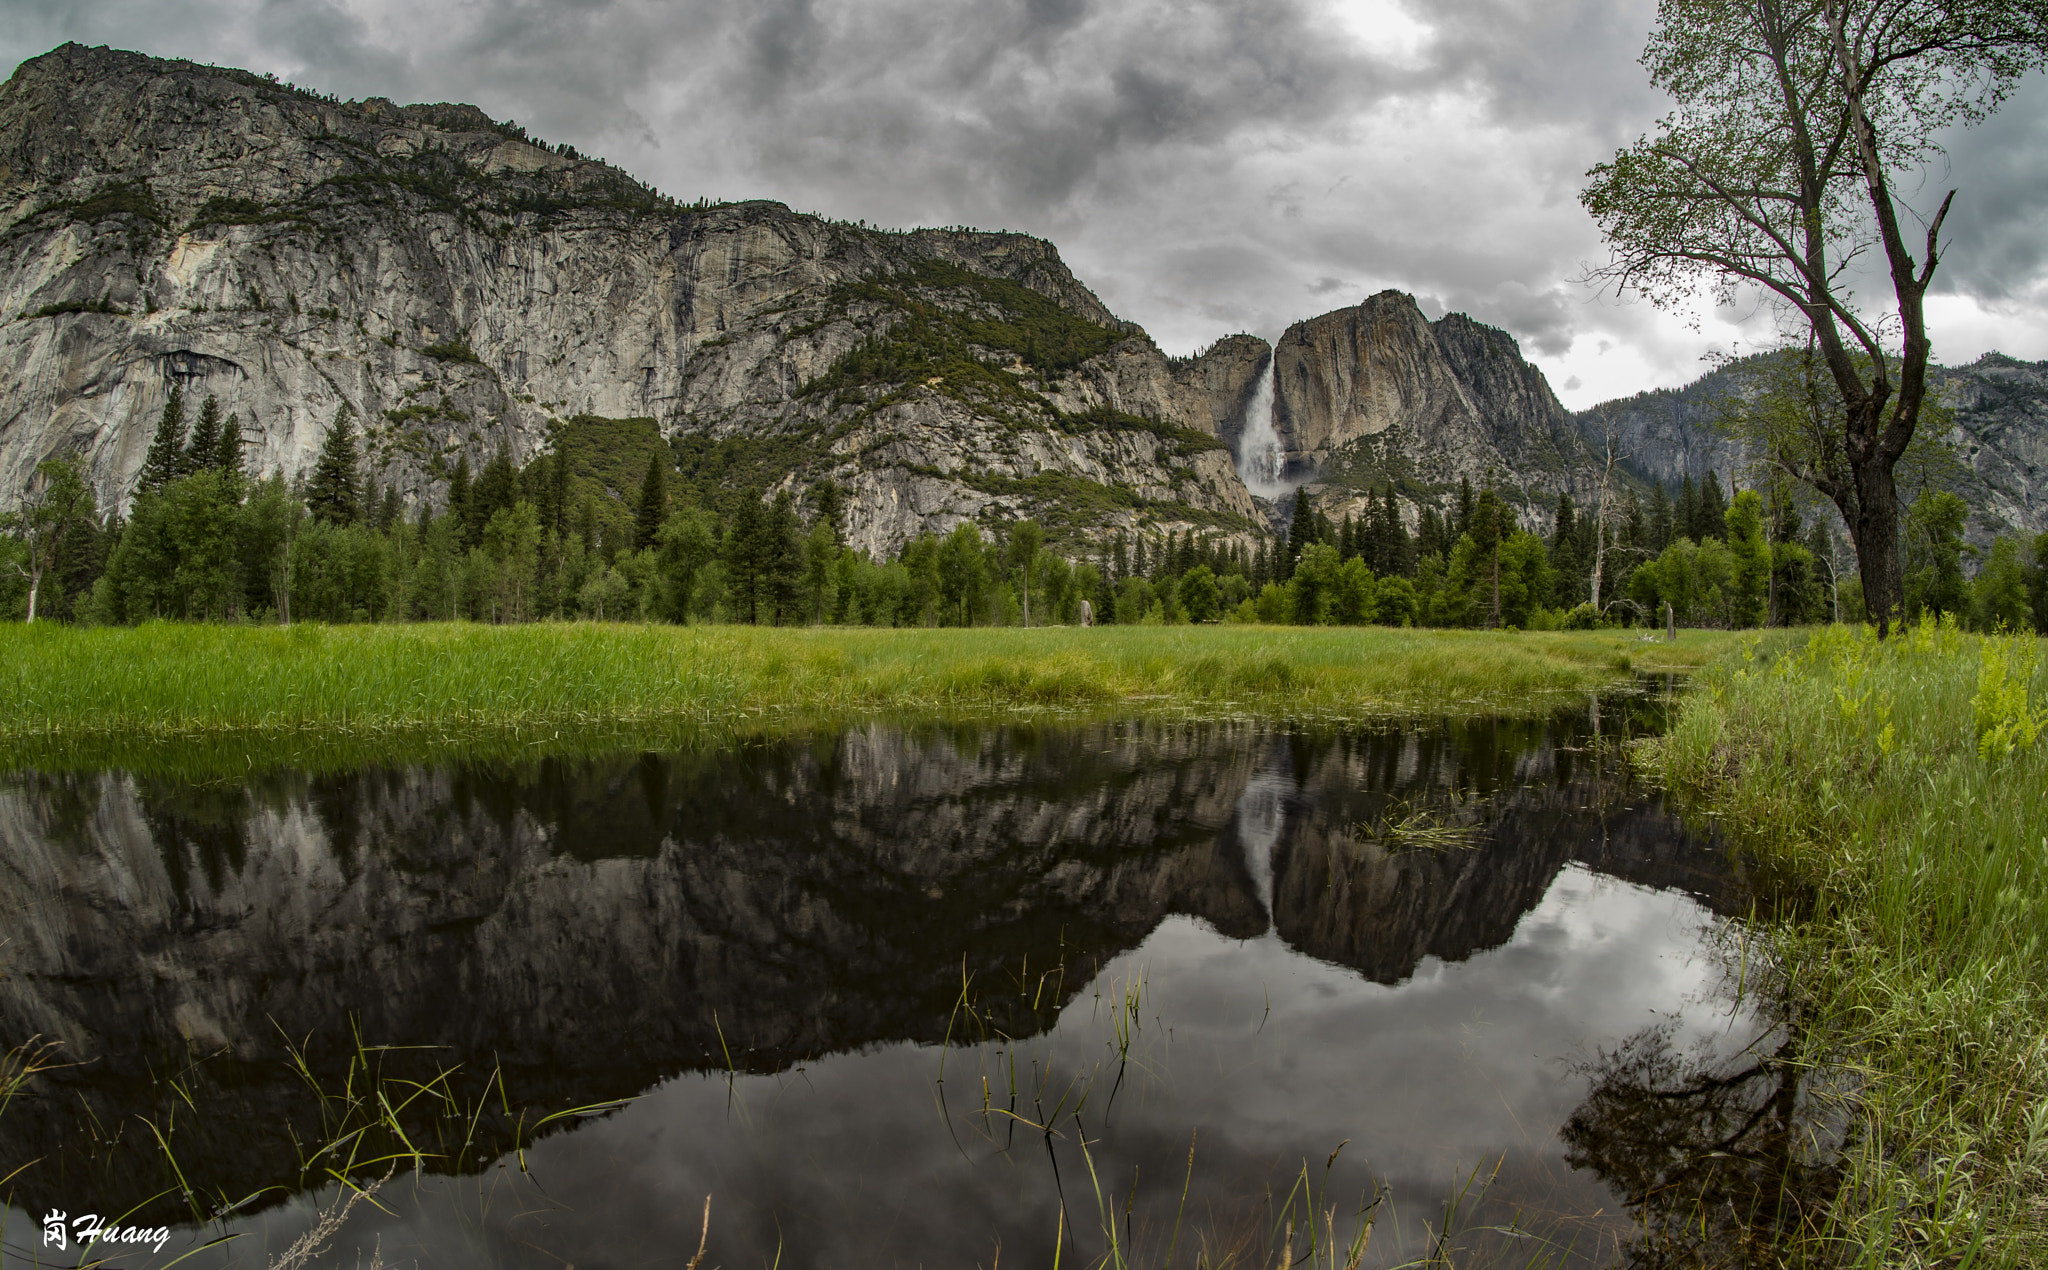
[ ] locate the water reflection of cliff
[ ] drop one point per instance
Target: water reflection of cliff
(590, 929)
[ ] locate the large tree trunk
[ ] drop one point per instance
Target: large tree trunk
(1876, 530)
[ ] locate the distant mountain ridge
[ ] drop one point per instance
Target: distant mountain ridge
(457, 288)
(2000, 435)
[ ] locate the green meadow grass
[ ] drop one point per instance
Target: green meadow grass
(1896, 789)
(322, 695)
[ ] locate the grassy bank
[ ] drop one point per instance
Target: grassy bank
(73, 697)
(1899, 789)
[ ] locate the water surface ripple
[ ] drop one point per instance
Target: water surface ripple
(889, 997)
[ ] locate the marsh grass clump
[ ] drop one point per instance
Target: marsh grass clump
(239, 696)
(1898, 788)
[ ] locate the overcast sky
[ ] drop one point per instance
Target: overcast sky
(1207, 166)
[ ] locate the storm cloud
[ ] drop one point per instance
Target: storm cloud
(1208, 166)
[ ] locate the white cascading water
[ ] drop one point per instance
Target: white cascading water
(1261, 812)
(1258, 445)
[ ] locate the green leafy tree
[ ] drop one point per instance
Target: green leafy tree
(1395, 602)
(1797, 121)
(1751, 552)
(963, 574)
(204, 517)
(1998, 597)
(1354, 595)
(334, 494)
(1199, 594)
(1026, 537)
(1934, 555)
(1315, 585)
(821, 553)
(685, 546)
(58, 506)
(2037, 583)
(512, 541)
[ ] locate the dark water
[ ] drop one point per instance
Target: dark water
(888, 998)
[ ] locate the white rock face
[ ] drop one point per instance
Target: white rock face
(1379, 392)
(456, 288)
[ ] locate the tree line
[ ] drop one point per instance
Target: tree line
(205, 541)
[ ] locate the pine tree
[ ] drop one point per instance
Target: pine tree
(389, 511)
(205, 443)
(162, 464)
(496, 490)
(1302, 530)
(830, 501)
(335, 492)
(558, 495)
(782, 558)
(1713, 518)
(1492, 522)
(1686, 516)
(1400, 552)
(1463, 524)
(743, 559)
(1660, 519)
(458, 499)
(1430, 534)
(227, 451)
(653, 509)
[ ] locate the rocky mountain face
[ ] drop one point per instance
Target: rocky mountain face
(1999, 437)
(1379, 393)
(457, 287)
(1226, 377)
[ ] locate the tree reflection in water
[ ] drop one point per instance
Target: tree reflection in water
(1724, 1161)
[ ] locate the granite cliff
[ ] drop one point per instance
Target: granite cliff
(457, 287)
(1380, 394)
(1999, 435)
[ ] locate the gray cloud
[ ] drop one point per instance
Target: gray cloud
(1205, 165)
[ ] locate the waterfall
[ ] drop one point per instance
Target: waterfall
(1259, 461)
(1260, 814)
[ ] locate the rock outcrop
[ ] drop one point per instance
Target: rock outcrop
(1999, 435)
(1223, 379)
(457, 287)
(1379, 393)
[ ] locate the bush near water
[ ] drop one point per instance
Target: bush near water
(1899, 788)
